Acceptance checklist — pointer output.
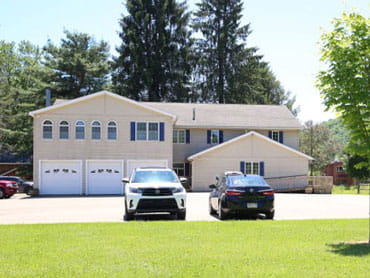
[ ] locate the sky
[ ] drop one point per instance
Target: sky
(286, 32)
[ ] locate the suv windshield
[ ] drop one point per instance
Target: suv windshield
(246, 181)
(154, 176)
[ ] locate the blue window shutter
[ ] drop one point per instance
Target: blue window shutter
(187, 136)
(208, 137)
(262, 168)
(221, 133)
(161, 131)
(187, 169)
(281, 137)
(133, 129)
(270, 134)
(242, 167)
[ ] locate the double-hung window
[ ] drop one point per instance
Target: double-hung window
(252, 167)
(179, 136)
(96, 130)
(63, 130)
(275, 136)
(215, 136)
(147, 131)
(112, 131)
(80, 130)
(47, 130)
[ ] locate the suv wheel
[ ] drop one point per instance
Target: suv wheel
(221, 214)
(181, 215)
(128, 215)
(2, 194)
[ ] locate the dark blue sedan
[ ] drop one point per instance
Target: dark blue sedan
(237, 194)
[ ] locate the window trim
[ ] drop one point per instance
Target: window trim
(339, 169)
(42, 128)
(116, 127)
(84, 126)
(100, 127)
(147, 131)
(177, 131)
(218, 136)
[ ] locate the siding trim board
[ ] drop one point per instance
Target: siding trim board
(251, 133)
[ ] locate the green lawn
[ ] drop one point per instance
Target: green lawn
(341, 189)
(311, 248)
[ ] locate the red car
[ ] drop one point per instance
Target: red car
(7, 188)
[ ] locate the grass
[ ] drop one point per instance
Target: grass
(342, 189)
(312, 248)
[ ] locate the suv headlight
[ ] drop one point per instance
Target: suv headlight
(134, 190)
(178, 190)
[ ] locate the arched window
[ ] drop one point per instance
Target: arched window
(80, 130)
(112, 131)
(63, 130)
(47, 129)
(95, 130)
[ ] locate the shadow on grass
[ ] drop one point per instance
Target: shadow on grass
(357, 249)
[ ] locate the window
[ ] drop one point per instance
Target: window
(63, 130)
(275, 136)
(215, 136)
(339, 169)
(112, 131)
(179, 136)
(153, 131)
(96, 130)
(141, 131)
(179, 169)
(80, 130)
(47, 130)
(252, 168)
(147, 131)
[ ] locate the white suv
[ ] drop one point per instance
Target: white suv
(151, 190)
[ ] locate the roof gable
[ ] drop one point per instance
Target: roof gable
(61, 104)
(243, 136)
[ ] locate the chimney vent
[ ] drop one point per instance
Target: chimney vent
(47, 97)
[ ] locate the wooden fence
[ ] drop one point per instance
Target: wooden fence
(308, 184)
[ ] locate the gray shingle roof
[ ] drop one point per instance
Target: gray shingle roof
(230, 115)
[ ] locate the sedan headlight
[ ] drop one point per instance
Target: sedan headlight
(178, 190)
(134, 190)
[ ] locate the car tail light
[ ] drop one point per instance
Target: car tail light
(233, 193)
(268, 192)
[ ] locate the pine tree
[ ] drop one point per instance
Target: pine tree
(79, 65)
(154, 57)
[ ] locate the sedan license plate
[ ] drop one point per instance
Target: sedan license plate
(252, 205)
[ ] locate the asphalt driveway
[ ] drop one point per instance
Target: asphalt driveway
(23, 209)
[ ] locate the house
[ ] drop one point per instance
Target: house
(86, 145)
(335, 169)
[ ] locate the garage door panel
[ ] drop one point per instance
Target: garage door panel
(132, 164)
(60, 177)
(104, 177)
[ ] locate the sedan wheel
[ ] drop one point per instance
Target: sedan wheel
(2, 194)
(221, 214)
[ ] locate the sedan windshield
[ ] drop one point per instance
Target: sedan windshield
(246, 181)
(154, 176)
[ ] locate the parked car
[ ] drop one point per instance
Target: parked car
(236, 194)
(155, 189)
(24, 186)
(7, 188)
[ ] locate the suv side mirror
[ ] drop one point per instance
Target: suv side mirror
(212, 186)
(183, 179)
(125, 180)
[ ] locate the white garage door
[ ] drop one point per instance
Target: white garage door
(104, 177)
(60, 177)
(132, 164)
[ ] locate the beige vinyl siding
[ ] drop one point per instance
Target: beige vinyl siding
(279, 162)
(198, 142)
(103, 109)
(291, 137)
